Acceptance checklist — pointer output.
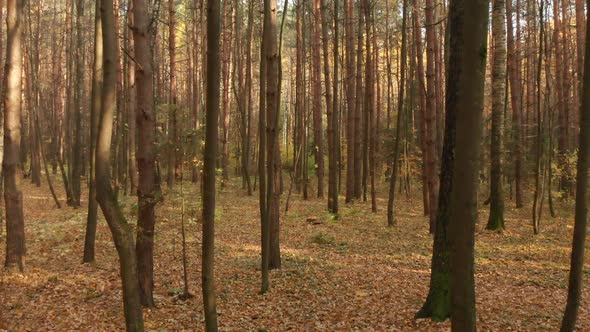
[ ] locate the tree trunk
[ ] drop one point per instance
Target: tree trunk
(317, 99)
(358, 109)
(172, 120)
(422, 106)
(333, 181)
(515, 99)
(299, 97)
(332, 166)
(350, 101)
(147, 194)
(122, 231)
(568, 323)
(95, 107)
(131, 108)
(13, 197)
(430, 114)
(77, 116)
(496, 217)
(212, 110)
(400, 111)
(467, 63)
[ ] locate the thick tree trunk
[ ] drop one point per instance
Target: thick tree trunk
(568, 323)
(13, 197)
(147, 195)
(496, 217)
(467, 63)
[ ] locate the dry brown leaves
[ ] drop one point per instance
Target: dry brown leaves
(353, 273)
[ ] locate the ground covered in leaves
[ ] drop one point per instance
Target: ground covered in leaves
(353, 273)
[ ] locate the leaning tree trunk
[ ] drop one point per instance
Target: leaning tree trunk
(581, 216)
(122, 231)
(13, 197)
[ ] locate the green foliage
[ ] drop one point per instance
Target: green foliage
(564, 167)
(323, 239)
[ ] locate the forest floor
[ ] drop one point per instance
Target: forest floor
(353, 273)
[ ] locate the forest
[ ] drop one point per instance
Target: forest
(294, 165)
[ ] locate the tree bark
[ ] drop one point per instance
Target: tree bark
(122, 231)
(147, 193)
(581, 213)
(317, 99)
(351, 124)
(515, 99)
(400, 112)
(430, 113)
(496, 217)
(212, 113)
(95, 107)
(13, 197)
(467, 63)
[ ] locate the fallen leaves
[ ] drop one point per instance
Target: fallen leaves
(349, 274)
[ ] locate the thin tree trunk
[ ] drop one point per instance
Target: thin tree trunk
(317, 99)
(422, 107)
(212, 110)
(400, 111)
(122, 231)
(95, 107)
(350, 101)
(515, 99)
(131, 107)
(430, 114)
(172, 120)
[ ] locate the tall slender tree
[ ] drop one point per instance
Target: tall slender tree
(581, 215)
(147, 193)
(95, 107)
(105, 195)
(468, 22)
(317, 98)
(13, 197)
(212, 113)
(496, 217)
